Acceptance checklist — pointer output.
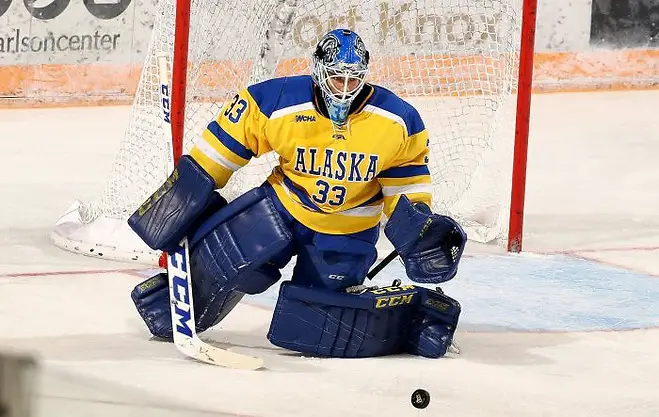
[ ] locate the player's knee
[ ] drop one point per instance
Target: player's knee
(242, 236)
(241, 240)
(258, 280)
(233, 251)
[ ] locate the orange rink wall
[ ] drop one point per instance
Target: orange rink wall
(103, 83)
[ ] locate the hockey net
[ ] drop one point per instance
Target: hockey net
(455, 60)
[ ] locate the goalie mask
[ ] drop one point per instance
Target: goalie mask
(340, 65)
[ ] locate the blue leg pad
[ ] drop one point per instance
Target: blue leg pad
(328, 323)
(237, 251)
(377, 322)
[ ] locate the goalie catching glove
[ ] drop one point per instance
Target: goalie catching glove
(429, 244)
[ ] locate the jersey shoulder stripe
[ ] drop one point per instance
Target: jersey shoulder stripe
(227, 140)
(280, 93)
(389, 102)
(405, 172)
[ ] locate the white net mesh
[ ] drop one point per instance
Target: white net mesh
(455, 60)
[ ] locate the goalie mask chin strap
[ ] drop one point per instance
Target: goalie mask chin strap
(357, 104)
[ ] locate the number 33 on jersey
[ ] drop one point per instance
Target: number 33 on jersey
(332, 183)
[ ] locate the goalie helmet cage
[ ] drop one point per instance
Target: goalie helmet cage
(457, 61)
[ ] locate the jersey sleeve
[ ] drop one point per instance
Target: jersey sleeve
(232, 139)
(408, 172)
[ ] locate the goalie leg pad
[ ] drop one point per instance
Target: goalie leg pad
(434, 325)
(240, 249)
(322, 322)
(378, 322)
(151, 298)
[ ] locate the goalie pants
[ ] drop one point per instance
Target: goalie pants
(324, 260)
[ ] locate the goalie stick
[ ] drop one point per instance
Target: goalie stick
(178, 273)
(183, 318)
(380, 266)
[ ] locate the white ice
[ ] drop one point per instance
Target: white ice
(593, 193)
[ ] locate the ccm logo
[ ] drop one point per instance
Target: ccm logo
(166, 108)
(182, 308)
(336, 277)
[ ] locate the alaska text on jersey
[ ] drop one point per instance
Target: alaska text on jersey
(329, 163)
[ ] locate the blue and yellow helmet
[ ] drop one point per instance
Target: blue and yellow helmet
(340, 66)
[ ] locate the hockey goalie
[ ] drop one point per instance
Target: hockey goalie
(349, 151)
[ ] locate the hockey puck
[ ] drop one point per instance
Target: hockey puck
(420, 398)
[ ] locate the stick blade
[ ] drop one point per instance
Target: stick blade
(196, 349)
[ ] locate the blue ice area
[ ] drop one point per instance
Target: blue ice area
(536, 293)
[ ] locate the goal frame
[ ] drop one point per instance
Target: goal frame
(522, 114)
(98, 228)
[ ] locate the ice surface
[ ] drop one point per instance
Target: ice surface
(567, 329)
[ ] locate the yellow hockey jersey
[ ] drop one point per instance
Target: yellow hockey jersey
(332, 182)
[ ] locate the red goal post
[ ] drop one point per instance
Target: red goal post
(522, 120)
